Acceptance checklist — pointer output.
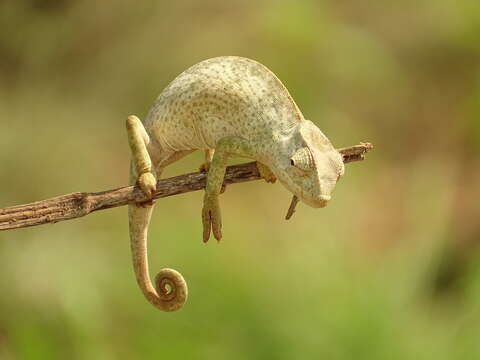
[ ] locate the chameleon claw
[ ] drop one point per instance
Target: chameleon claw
(216, 226)
(207, 225)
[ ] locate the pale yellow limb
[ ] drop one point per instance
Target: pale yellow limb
(138, 140)
(225, 148)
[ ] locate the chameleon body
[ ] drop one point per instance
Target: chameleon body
(227, 106)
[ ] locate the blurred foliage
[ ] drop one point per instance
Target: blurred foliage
(388, 270)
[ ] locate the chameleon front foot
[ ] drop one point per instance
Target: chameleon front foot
(211, 218)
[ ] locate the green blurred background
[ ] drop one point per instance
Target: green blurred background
(387, 271)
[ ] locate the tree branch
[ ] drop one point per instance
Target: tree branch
(79, 204)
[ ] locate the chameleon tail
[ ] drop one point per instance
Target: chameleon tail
(170, 291)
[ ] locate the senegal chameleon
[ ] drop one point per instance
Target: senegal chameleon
(228, 106)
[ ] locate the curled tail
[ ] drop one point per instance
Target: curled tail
(170, 290)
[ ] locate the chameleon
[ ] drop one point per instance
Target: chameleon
(228, 106)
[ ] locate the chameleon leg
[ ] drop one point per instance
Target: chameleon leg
(138, 140)
(266, 173)
(226, 147)
(208, 160)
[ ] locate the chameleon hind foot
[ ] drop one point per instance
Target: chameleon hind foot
(147, 183)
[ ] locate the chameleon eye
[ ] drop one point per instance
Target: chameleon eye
(302, 159)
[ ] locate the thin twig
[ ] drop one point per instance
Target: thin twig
(291, 208)
(79, 204)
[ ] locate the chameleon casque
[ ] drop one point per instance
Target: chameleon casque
(230, 107)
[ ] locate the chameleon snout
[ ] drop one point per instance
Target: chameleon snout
(316, 202)
(325, 198)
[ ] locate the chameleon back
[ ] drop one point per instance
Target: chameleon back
(223, 96)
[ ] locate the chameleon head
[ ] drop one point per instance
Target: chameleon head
(310, 166)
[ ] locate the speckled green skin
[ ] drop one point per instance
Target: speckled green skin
(236, 107)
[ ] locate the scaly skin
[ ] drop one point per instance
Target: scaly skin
(227, 106)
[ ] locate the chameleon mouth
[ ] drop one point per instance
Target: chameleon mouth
(320, 203)
(316, 202)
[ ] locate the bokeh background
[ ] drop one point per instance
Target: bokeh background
(388, 270)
